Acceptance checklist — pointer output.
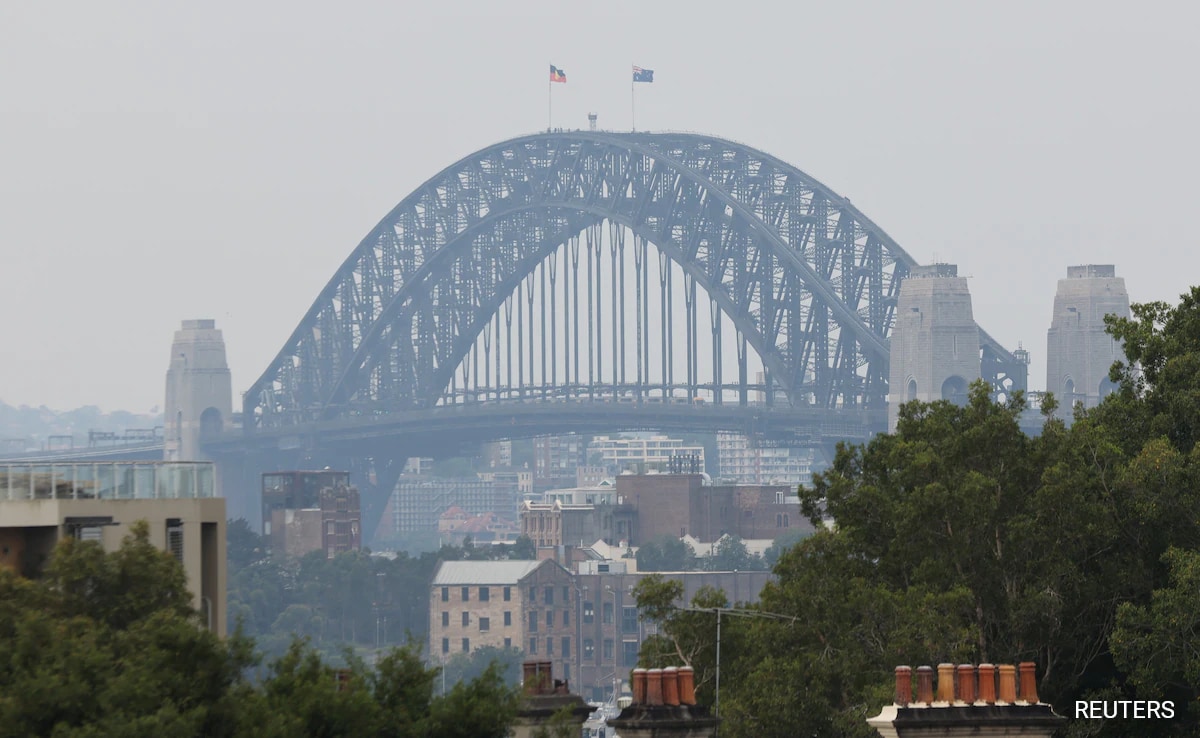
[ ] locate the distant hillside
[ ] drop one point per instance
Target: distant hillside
(35, 424)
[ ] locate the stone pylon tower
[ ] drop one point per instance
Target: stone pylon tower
(935, 343)
(199, 390)
(1079, 352)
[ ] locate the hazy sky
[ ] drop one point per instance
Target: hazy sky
(162, 161)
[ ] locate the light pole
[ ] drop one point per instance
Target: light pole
(615, 632)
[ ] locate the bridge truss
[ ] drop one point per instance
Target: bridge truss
(607, 267)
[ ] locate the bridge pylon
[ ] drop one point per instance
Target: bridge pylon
(199, 399)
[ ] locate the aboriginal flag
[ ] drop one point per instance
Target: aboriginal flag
(557, 75)
(643, 75)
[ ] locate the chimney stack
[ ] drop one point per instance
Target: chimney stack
(967, 704)
(544, 698)
(664, 706)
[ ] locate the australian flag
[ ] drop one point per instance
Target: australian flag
(643, 75)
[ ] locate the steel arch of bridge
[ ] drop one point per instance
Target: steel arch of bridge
(807, 280)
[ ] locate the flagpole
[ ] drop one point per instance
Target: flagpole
(632, 103)
(549, 103)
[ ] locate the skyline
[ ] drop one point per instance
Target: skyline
(136, 141)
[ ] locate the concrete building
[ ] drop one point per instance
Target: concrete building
(199, 400)
(555, 459)
(418, 502)
(305, 511)
(935, 342)
(641, 454)
(1079, 351)
(740, 460)
(527, 605)
(42, 503)
(554, 524)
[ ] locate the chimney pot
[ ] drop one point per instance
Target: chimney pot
(945, 686)
(925, 685)
(987, 683)
(654, 695)
(1008, 683)
(903, 685)
(639, 686)
(687, 685)
(670, 686)
(966, 683)
(1028, 682)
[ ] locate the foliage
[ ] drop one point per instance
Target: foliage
(782, 543)
(731, 554)
(666, 553)
(107, 644)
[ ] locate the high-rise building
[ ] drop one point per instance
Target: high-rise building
(741, 460)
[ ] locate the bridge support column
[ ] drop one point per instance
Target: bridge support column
(1079, 351)
(935, 344)
(199, 399)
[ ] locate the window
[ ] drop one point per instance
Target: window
(566, 646)
(445, 618)
(548, 594)
(629, 620)
(549, 646)
(533, 645)
(508, 617)
(785, 520)
(466, 594)
(466, 619)
(466, 644)
(507, 594)
(485, 623)
(566, 618)
(608, 612)
(445, 645)
(174, 538)
(508, 643)
(589, 648)
(533, 621)
(445, 594)
(566, 593)
(629, 653)
(484, 594)
(532, 595)
(549, 618)
(608, 649)
(589, 614)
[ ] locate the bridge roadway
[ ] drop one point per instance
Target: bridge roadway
(436, 431)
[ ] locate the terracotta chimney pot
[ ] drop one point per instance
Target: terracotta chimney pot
(1028, 682)
(924, 685)
(945, 686)
(987, 683)
(670, 686)
(654, 695)
(1008, 683)
(687, 685)
(639, 686)
(966, 683)
(903, 685)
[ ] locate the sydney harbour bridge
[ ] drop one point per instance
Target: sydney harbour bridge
(590, 281)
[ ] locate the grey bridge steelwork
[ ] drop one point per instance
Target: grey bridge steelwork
(808, 282)
(400, 355)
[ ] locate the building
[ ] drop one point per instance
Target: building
(682, 504)
(641, 454)
(554, 524)
(305, 511)
(556, 459)
(528, 605)
(418, 501)
(740, 460)
(41, 504)
(455, 525)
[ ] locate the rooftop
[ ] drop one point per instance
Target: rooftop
(111, 480)
(483, 572)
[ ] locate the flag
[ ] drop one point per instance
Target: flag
(643, 75)
(557, 75)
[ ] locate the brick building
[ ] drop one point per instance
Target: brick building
(682, 504)
(527, 605)
(305, 511)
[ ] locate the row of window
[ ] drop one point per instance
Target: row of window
(466, 644)
(484, 623)
(485, 594)
(629, 649)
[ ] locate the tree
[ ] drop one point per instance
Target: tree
(782, 543)
(666, 553)
(731, 554)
